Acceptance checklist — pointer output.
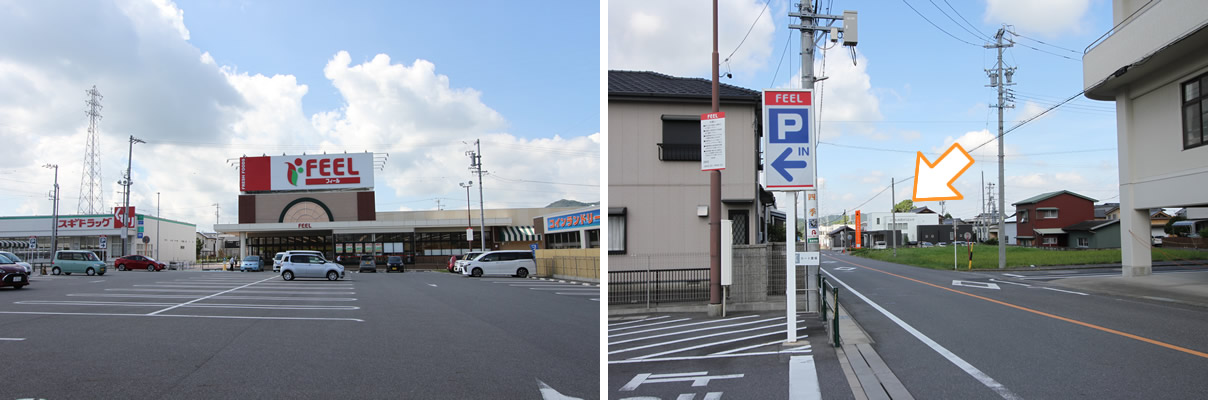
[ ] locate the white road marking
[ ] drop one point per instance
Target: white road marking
(1065, 291)
(705, 357)
(701, 346)
(692, 330)
(562, 285)
(651, 324)
(1011, 283)
(206, 297)
(548, 393)
(181, 316)
(432, 285)
(595, 299)
(803, 379)
(578, 294)
(13, 339)
(683, 325)
(740, 349)
(972, 284)
(566, 288)
(845, 268)
(102, 280)
(638, 321)
(698, 379)
(1014, 275)
(953, 358)
(199, 305)
(185, 296)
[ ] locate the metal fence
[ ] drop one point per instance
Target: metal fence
(658, 286)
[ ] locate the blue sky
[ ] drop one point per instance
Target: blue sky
(914, 88)
(204, 82)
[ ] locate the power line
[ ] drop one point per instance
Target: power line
(975, 34)
(1046, 44)
(958, 13)
(937, 26)
(545, 182)
(744, 37)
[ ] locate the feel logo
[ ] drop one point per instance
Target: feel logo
(294, 169)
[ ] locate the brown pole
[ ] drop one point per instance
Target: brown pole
(715, 194)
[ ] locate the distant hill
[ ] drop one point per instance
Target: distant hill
(571, 203)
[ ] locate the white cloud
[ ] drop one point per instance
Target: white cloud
(1038, 17)
(973, 139)
(675, 37)
(196, 116)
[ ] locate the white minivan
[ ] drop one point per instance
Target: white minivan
(501, 262)
(280, 257)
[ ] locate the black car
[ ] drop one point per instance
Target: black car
(368, 264)
(13, 275)
(394, 263)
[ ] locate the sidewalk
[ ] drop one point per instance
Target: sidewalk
(1183, 287)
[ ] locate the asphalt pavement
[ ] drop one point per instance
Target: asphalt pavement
(984, 335)
(207, 335)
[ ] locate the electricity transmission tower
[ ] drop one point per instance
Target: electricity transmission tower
(92, 198)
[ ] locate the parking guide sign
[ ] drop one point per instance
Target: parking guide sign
(788, 160)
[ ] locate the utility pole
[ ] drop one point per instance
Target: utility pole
(893, 212)
(476, 166)
(1000, 78)
(438, 208)
(158, 209)
(714, 308)
(469, 223)
(125, 214)
(216, 237)
(54, 222)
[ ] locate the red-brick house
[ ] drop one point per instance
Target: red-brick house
(1040, 219)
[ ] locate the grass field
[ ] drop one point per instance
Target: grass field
(986, 257)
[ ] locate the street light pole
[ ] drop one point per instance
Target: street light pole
(54, 224)
(125, 214)
(158, 209)
(469, 223)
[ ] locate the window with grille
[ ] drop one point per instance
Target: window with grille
(740, 225)
(681, 138)
(1084, 242)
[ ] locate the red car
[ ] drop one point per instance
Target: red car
(134, 262)
(13, 275)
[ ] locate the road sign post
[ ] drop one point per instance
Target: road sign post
(788, 161)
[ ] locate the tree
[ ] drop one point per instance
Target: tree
(776, 233)
(199, 244)
(947, 215)
(1170, 229)
(904, 206)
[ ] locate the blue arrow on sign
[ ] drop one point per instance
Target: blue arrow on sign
(782, 164)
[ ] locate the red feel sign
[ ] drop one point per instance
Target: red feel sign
(774, 98)
(306, 172)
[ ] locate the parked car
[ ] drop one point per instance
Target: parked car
(394, 263)
(1157, 241)
(501, 262)
(70, 261)
(277, 261)
(368, 264)
(136, 261)
(251, 263)
(941, 244)
(29, 269)
(310, 266)
(452, 261)
(286, 254)
(960, 243)
(926, 244)
(879, 245)
(13, 275)
(463, 260)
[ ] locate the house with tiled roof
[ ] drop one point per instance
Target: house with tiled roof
(658, 195)
(1041, 218)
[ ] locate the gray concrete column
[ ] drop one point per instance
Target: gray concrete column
(1134, 223)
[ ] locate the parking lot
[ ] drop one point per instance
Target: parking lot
(193, 334)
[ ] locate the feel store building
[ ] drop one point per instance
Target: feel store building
(159, 238)
(327, 203)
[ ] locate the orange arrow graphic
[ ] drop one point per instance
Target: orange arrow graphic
(935, 181)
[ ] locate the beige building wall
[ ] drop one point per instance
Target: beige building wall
(661, 197)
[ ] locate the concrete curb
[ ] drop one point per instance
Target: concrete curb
(867, 374)
(565, 281)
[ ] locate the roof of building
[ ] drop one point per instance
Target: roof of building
(1091, 225)
(1158, 213)
(1046, 196)
(1101, 210)
(654, 84)
(922, 210)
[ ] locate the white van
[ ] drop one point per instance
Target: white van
(501, 262)
(880, 245)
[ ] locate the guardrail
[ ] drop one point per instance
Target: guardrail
(658, 286)
(831, 306)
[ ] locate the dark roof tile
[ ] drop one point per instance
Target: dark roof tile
(654, 84)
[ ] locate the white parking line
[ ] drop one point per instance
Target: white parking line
(701, 346)
(578, 294)
(198, 305)
(689, 331)
(773, 326)
(203, 298)
(185, 296)
(803, 379)
(740, 349)
(13, 339)
(640, 320)
(683, 325)
(182, 316)
(687, 358)
(1065, 291)
(102, 280)
(432, 284)
(566, 288)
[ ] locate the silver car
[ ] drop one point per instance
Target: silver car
(29, 269)
(310, 266)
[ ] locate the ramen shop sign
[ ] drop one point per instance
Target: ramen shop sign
(306, 172)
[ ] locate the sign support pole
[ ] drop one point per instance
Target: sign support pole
(790, 269)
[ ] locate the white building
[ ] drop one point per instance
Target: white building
(1154, 66)
(162, 239)
(908, 223)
